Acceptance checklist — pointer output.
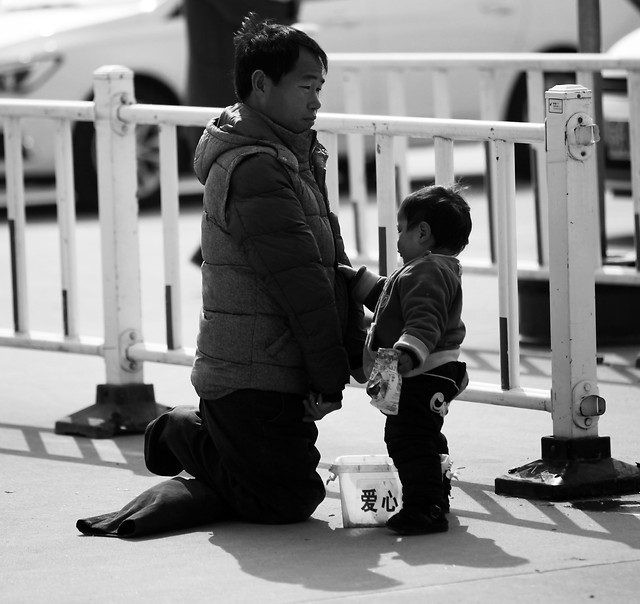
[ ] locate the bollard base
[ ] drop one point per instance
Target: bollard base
(571, 469)
(119, 409)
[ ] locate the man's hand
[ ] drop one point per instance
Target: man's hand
(316, 407)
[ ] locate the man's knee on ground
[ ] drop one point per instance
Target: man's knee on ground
(178, 420)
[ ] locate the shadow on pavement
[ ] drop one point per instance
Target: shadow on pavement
(125, 452)
(317, 557)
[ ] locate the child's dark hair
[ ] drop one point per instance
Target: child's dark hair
(271, 47)
(446, 212)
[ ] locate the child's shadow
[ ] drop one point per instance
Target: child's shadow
(313, 555)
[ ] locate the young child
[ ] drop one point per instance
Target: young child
(417, 310)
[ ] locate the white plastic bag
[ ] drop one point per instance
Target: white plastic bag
(385, 382)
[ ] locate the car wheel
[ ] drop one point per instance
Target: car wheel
(147, 153)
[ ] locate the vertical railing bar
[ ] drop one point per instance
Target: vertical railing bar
(633, 85)
(507, 265)
(356, 160)
(441, 93)
(586, 78)
(330, 142)
(536, 113)
(444, 160)
(66, 206)
(387, 206)
(16, 217)
(489, 111)
(169, 200)
(512, 253)
(396, 91)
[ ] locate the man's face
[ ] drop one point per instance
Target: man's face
(294, 101)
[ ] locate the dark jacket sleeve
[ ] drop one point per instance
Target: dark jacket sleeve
(366, 287)
(266, 219)
(354, 331)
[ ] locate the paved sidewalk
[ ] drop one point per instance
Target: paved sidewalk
(498, 549)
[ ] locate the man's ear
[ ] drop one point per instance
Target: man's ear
(259, 82)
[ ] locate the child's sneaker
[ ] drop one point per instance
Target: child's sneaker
(411, 522)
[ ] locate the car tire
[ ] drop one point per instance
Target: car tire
(147, 152)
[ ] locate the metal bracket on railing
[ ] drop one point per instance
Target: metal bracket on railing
(587, 406)
(120, 126)
(127, 339)
(582, 135)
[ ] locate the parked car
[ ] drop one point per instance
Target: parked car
(49, 49)
(509, 26)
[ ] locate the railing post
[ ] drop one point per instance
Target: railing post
(17, 219)
(124, 404)
(536, 113)
(387, 208)
(633, 81)
(573, 233)
(356, 163)
(575, 462)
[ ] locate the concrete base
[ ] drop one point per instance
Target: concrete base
(571, 469)
(617, 317)
(121, 409)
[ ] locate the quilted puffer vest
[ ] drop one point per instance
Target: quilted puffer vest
(245, 340)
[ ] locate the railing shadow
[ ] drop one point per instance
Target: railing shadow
(41, 443)
(615, 365)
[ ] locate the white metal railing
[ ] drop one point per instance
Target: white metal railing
(393, 69)
(115, 114)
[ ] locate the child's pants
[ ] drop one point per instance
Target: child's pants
(414, 437)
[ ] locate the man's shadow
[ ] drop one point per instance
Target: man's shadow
(315, 556)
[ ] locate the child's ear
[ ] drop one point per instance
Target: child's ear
(424, 230)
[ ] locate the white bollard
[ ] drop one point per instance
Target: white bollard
(117, 202)
(573, 257)
(575, 462)
(124, 404)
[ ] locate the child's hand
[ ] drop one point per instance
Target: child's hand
(348, 271)
(406, 362)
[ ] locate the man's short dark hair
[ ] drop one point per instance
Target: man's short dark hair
(444, 210)
(270, 47)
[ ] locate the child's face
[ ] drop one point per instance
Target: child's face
(410, 241)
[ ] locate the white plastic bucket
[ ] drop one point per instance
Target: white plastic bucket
(370, 490)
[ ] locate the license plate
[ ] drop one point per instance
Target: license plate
(616, 140)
